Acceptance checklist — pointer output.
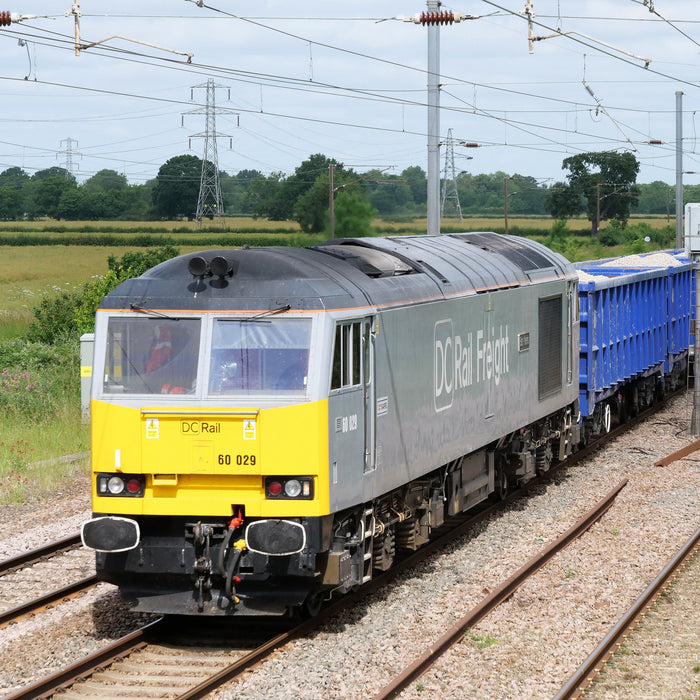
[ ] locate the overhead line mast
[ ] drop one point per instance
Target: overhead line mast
(433, 18)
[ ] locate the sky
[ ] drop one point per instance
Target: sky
(348, 80)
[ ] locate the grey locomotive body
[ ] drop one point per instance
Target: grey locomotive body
(421, 375)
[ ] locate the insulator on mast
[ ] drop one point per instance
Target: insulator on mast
(442, 17)
(6, 17)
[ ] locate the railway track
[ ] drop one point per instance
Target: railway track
(151, 661)
(15, 585)
(34, 556)
(149, 656)
(576, 686)
(502, 593)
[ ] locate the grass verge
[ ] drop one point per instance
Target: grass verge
(28, 448)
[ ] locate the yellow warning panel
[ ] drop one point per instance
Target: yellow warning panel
(152, 429)
(249, 429)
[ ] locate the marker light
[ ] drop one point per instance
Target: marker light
(274, 488)
(197, 266)
(220, 266)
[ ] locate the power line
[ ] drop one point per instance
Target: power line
(120, 54)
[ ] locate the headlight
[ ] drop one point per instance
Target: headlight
(115, 485)
(292, 488)
(285, 488)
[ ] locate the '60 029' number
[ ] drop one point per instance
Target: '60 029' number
(241, 460)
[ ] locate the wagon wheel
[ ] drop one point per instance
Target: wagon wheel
(606, 417)
(384, 549)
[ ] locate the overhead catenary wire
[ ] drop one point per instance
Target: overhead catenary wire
(274, 81)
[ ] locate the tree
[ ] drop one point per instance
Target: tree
(562, 202)
(311, 208)
(418, 182)
(234, 188)
(177, 187)
(525, 194)
(45, 190)
(12, 182)
(54, 171)
(353, 215)
(607, 183)
(285, 204)
(13, 177)
(72, 205)
(390, 195)
(11, 203)
(260, 196)
(106, 181)
(654, 198)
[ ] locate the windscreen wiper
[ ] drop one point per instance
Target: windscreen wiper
(141, 309)
(264, 314)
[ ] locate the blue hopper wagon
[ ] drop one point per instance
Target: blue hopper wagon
(635, 317)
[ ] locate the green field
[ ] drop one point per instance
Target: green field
(26, 272)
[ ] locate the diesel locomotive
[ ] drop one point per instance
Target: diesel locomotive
(271, 426)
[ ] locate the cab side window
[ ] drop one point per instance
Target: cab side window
(347, 355)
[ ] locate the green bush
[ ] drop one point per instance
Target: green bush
(133, 264)
(37, 379)
(617, 233)
(55, 317)
(68, 314)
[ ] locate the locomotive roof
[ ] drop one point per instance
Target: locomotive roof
(341, 273)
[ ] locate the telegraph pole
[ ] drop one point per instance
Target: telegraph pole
(331, 196)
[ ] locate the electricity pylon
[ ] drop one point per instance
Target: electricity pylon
(69, 153)
(210, 203)
(449, 179)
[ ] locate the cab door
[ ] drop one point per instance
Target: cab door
(350, 408)
(368, 382)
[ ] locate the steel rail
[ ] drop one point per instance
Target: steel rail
(503, 592)
(7, 616)
(576, 685)
(47, 686)
(34, 555)
(678, 454)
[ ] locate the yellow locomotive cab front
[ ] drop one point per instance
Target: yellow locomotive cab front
(210, 461)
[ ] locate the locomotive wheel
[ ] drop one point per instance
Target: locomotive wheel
(312, 605)
(501, 486)
(384, 550)
(543, 458)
